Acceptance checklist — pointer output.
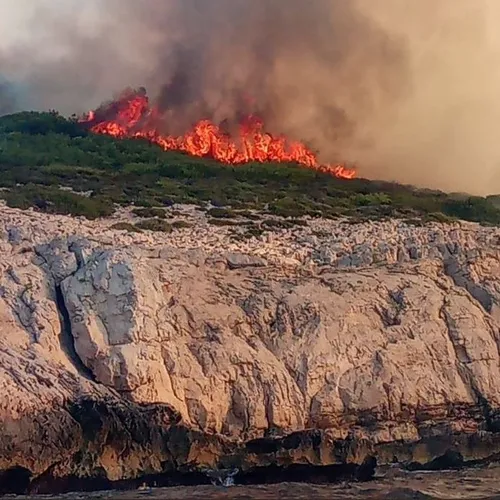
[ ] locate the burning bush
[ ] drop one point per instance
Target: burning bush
(132, 116)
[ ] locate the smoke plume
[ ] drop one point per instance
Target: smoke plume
(408, 90)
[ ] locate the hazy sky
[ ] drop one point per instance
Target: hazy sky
(18, 18)
(13, 20)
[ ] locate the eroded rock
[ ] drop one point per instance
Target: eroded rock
(129, 355)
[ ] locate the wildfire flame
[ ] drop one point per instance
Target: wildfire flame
(131, 116)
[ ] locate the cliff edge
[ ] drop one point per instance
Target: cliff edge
(328, 345)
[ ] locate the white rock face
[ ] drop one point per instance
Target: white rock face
(379, 329)
(242, 352)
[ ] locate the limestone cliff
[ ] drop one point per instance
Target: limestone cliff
(127, 355)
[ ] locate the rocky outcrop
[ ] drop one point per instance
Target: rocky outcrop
(329, 345)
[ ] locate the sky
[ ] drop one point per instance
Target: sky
(16, 17)
(12, 19)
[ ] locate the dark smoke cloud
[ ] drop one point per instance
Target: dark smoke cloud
(308, 69)
(409, 89)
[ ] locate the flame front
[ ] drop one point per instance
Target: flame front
(132, 116)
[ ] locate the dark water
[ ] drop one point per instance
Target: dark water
(391, 484)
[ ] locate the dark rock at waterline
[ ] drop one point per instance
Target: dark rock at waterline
(451, 459)
(15, 480)
(118, 436)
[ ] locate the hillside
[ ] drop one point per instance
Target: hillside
(40, 152)
(265, 323)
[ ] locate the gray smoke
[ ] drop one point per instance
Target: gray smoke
(9, 101)
(408, 90)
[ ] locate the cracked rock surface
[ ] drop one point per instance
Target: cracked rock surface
(123, 355)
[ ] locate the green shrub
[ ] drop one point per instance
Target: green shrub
(253, 232)
(222, 213)
(156, 225)
(440, 217)
(246, 214)
(223, 222)
(365, 200)
(139, 202)
(149, 213)
(181, 224)
(55, 201)
(474, 209)
(125, 226)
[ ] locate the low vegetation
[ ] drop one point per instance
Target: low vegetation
(42, 152)
(181, 224)
(150, 213)
(157, 225)
(126, 226)
(223, 222)
(54, 200)
(250, 231)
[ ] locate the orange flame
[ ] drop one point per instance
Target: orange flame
(133, 117)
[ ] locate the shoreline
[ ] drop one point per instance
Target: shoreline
(467, 483)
